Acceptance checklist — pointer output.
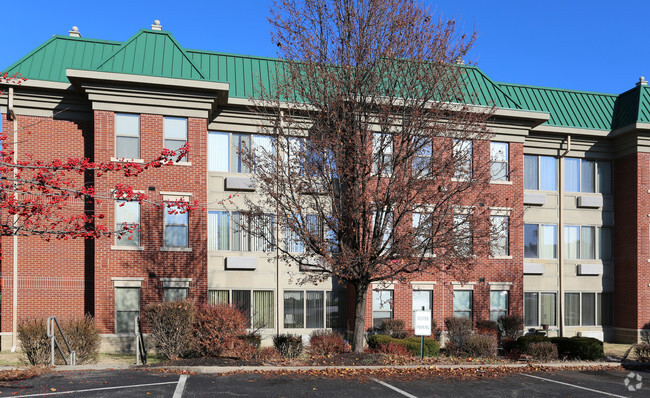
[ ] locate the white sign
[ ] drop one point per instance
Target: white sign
(422, 323)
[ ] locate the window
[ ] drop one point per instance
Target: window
(587, 243)
(588, 309)
(422, 299)
(175, 129)
(294, 309)
(382, 306)
(127, 307)
(216, 297)
(334, 309)
(422, 233)
(127, 216)
(225, 150)
(498, 304)
(462, 157)
(382, 149)
(175, 293)
(293, 242)
(314, 315)
(127, 136)
(176, 226)
(384, 227)
(583, 175)
(238, 237)
(499, 161)
(423, 150)
(463, 304)
(259, 309)
(540, 241)
(500, 236)
(536, 304)
(313, 309)
(540, 173)
(462, 235)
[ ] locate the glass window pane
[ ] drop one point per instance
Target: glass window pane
(531, 172)
(176, 236)
(175, 293)
(293, 310)
(125, 321)
(530, 240)
(382, 306)
(588, 309)
(498, 304)
(572, 307)
(422, 298)
(588, 243)
(241, 143)
(499, 159)
(549, 308)
(218, 297)
(548, 248)
(263, 309)
(127, 147)
(315, 310)
(175, 128)
(572, 242)
(218, 230)
(588, 177)
(604, 177)
(548, 174)
(531, 309)
(572, 175)
(463, 303)
(127, 307)
(335, 309)
(218, 151)
(462, 152)
(263, 152)
(127, 124)
(499, 236)
(127, 214)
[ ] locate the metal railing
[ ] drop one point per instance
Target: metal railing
(51, 321)
(140, 349)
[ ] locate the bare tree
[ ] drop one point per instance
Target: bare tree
(377, 169)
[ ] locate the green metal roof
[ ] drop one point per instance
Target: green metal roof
(632, 106)
(481, 90)
(568, 108)
(152, 53)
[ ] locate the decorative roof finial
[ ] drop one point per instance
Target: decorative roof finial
(642, 81)
(156, 25)
(75, 32)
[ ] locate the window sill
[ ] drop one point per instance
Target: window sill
(175, 249)
(454, 179)
(123, 160)
(500, 257)
(127, 248)
(500, 182)
(182, 163)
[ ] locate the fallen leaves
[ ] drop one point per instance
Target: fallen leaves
(22, 374)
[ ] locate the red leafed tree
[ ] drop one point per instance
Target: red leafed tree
(378, 170)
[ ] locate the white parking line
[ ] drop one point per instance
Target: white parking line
(575, 386)
(178, 393)
(404, 393)
(43, 394)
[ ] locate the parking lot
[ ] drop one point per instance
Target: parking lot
(138, 383)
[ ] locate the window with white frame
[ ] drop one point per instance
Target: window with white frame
(423, 150)
(256, 304)
(127, 308)
(463, 304)
(382, 222)
(175, 131)
(294, 243)
(294, 309)
(127, 136)
(313, 309)
(422, 300)
(587, 242)
(422, 233)
(234, 231)
(498, 304)
(584, 175)
(462, 157)
(540, 241)
(499, 169)
(127, 217)
(382, 150)
(540, 173)
(382, 306)
(227, 151)
(500, 236)
(540, 308)
(463, 241)
(176, 226)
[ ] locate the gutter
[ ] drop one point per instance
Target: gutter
(560, 235)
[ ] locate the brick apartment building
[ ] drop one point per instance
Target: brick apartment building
(578, 161)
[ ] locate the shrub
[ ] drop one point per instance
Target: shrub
(287, 345)
(377, 340)
(642, 351)
(34, 343)
(252, 339)
(645, 333)
(394, 328)
(480, 345)
(511, 326)
(524, 342)
(511, 349)
(585, 348)
(543, 351)
(431, 346)
(217, 329)
(458, 331)
(487, 327)
(393, 348)
(171, 327)
(328, 342)
(83, 336)
(269, 354)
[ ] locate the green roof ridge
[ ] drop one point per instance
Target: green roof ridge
(556, 89)
(497, 86)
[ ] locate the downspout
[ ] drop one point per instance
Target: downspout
(560, 235)
(14, 304)
(277, 230)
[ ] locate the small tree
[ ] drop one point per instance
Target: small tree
(378, 169)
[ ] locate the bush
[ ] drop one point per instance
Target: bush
(543, 351)
(289, 346)
(524, 342)
(411, 344)
(252, 339)
(511, 349)
(488, 327)
(431, 346)
(645, 333)
(34, 343)
(585, 348)
(269, 354)
(394, 328)
(377, 340)
(642, 351)
(393, 348)
(83, 336)
(328, 342)
(171, 327)
(217, 330)
(480, 345)
(458, 331)
(511, 326)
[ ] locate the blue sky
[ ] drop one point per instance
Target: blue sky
(595, 46)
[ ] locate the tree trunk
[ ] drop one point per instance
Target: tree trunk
(358, 338)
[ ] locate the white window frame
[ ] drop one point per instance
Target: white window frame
(463, 157)
(540, 171)
(213, 234)
(173, 137)
(123, 134)
(501, 159)
(539, 244)
(122, 242)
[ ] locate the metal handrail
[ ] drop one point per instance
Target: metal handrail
(140, 349)
(51, 321)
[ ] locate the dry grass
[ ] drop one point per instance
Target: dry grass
(616, 350)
